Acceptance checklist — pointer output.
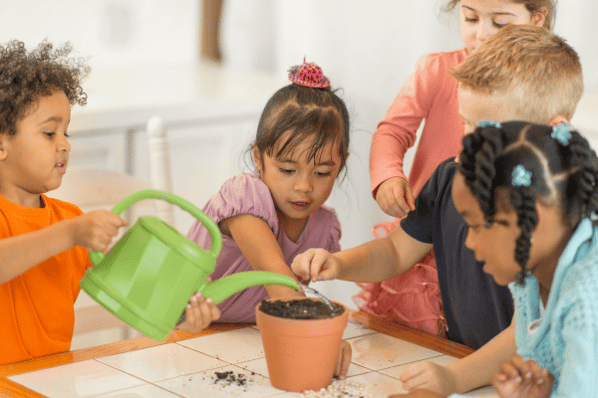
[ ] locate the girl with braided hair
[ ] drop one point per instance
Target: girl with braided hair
(529, 195)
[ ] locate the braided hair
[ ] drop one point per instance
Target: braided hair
(530, 162)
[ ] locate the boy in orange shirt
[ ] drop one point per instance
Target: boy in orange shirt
(44, 241)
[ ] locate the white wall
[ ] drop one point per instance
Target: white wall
(112, 32)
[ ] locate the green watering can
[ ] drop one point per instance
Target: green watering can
(148, 277)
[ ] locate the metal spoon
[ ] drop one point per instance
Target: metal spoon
(319, 295)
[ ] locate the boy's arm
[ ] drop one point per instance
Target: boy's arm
(381, 259)
(261, 249)
(20, 253)
(93, 231)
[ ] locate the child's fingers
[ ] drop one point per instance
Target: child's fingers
(200, 312)
(535, 371)
(409, 197)
(343, 361)
(410, 372)
(394, 204)
(510, 371)
(301, 265)
(504, 385)
(499, 378)
(213, 310)
(321, 266)
(189, 318)
(206, 310)
(426, 375)
(117, 220)
(403, 205)
(522, 366)
(387, 197)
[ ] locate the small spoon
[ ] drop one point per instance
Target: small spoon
(319, 295)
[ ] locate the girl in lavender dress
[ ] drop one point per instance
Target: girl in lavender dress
(269, 216)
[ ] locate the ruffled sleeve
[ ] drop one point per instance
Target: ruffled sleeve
(242, 194)
(333, 243)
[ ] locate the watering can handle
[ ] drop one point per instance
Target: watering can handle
(175, 200)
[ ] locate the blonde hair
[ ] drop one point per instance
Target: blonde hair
(532, 6)
(537, 71)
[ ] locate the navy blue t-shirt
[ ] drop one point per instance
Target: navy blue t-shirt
(475, 307)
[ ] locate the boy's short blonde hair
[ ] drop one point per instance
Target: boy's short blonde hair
(536, 71)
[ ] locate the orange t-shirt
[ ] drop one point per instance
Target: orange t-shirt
(37, 307)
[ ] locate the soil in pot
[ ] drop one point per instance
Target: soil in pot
(301, 309)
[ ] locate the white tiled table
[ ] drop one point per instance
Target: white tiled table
(186, 365)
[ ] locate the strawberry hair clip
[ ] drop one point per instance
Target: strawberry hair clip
(308, 75)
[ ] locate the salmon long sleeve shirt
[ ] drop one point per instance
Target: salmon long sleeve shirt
(430, 93)
(37, 307)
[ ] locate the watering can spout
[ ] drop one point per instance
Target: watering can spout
(222, 289)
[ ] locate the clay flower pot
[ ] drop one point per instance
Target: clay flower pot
(301, 353)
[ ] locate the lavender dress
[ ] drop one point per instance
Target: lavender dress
(247, 194)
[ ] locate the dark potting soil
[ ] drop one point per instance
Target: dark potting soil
(301, 309)
(229, 377)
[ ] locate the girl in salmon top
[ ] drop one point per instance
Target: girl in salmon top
(430, 93)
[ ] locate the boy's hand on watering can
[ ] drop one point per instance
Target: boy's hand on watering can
(316, 265)
(343, 361)
(200, 312)
(94, 230)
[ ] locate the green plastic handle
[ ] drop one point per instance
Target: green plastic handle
(96, 257)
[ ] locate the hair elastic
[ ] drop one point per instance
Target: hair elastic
(521, 177)
(308, 75)
(485, 123)
(562, 133)
(522, 275)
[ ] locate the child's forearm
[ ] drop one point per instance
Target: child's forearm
(374, 261)
(276, 291)
(475, 370)
(381, 259)
(20, 253)
(258, 244)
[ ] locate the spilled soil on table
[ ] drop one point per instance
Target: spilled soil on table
(301, 309)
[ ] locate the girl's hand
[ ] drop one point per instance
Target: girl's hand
(316, 265)
(417, 394)
(95, 230)
(519, 378)
(343, 361)
(199, 313)
(395, 198)
(429, 376)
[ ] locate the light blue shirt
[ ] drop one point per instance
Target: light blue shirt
(564, 338)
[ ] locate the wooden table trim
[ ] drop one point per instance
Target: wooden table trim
(11, 389)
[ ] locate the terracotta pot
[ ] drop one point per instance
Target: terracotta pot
(301, 353)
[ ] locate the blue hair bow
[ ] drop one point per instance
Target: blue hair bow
(562, 133)
(521, 177)
(485, 123)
